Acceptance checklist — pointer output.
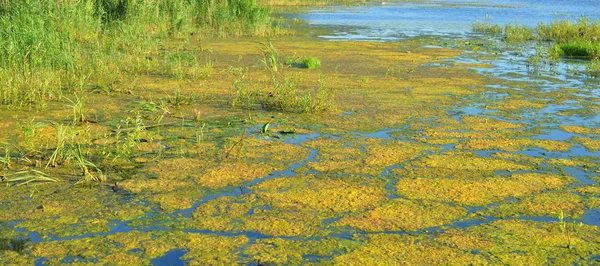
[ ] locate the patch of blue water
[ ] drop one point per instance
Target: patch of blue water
(591, 217)
(171, 258)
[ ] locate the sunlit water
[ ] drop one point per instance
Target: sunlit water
(398, 20)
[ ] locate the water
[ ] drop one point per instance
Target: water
(393, 21)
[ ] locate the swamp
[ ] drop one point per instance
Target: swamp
(300, 132)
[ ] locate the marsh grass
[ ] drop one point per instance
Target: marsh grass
(311, 62)
(517, 33)
(26, 177)
(486, 26)
(269, 60)
(561, 31)
(578, 49)
(46, 45)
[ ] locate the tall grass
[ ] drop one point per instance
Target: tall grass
(582, 29)
(46, 46)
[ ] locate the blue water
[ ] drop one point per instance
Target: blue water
(392, 21)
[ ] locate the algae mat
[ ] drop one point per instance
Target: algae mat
(390, 153)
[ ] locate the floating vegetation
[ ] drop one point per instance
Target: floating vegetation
(148, 133)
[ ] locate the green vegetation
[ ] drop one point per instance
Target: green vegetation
(486, 26)
(578, 49)
(517, 33)
(48, 46)
(311, 62)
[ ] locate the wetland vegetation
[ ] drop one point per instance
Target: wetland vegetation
(219, 132)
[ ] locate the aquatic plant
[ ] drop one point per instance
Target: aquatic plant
(561, 31)
(517, 33)
(311, 63)
(486, 26)
(578, 49)
(269, 56)
(25, 177)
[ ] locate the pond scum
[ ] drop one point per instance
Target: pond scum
(133, 129)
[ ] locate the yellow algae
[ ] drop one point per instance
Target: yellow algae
(461, 134)
(580, 130)
(86, 248)
(519, 158)
(123, 258)
(153, 185)
(478, 191)
(387, 154)
(592, 145)
(218, 214)
(275, 223)
(272, 151)
(517, 104)
(383, 249)
(472, 65)
(13, 258)
(70, 212)
(544, 204)
(210, 250)
(227, 174)
(402, 215)
(130, 240)
(516, 242)
(513, 145)
(468, 161)
(335, 156)
(483, 123)
(178, 168)
(176, 200)
(438, 141)
(589, 190)
(320, 195)
(292, 252)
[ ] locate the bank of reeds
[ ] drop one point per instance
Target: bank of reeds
(48, 47)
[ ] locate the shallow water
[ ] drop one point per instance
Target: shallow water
(393, 20)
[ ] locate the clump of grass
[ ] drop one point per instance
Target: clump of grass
(578, 49)
(561, 31)
(25, 177)
(269, 56)
(517, 33)
(311, 62)
(486, 27)
(593, 68)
